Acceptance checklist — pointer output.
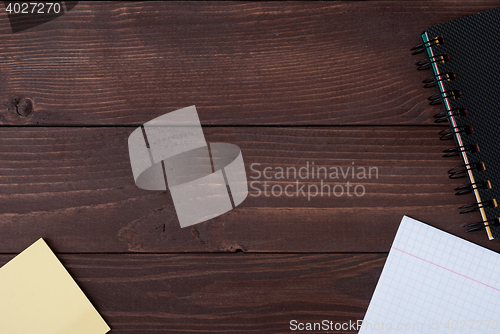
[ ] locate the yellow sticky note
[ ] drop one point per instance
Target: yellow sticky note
(37, 295)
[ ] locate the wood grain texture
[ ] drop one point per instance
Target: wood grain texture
(217, 293)
(240, 63)
(75, 186)
(256, 72)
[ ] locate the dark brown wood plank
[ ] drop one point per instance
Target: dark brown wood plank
(75, 187)
(225, 293)
(240, 63)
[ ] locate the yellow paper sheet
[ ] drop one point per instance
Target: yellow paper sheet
(37, 295)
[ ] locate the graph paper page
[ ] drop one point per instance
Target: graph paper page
(434, 282)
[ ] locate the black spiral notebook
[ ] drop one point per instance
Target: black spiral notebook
(464, 56)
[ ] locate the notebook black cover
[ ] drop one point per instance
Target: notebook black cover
(473, 48)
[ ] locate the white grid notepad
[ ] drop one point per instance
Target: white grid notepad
(434, 282)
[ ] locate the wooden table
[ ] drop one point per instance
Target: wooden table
(332, 83)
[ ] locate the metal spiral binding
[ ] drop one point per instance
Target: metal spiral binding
(461, 171)
(482, 225)
(422, 47)
(447, 134)
(492, 203)
(440, 97)
(469, 188)
(432, 81)
(425, 63)
(453, 152)
(444, 116)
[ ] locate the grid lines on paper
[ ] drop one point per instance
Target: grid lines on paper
(434, 282)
